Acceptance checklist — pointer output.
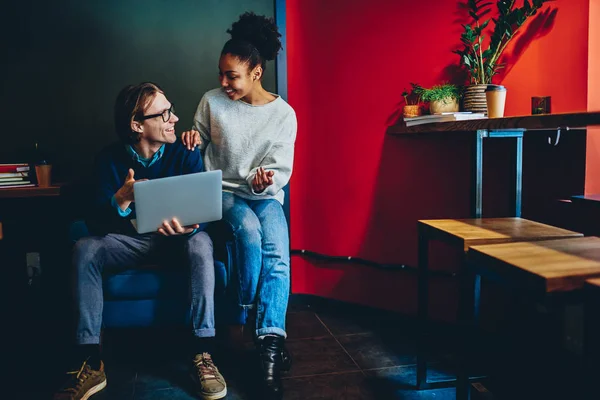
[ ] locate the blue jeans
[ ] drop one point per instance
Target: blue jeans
(263, 259)
(95, 256)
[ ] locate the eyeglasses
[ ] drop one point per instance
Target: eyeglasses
(166, 115)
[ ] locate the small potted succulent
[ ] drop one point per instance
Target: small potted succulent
(412, 100)
(441, 98)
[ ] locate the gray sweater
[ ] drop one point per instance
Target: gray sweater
(238, 138)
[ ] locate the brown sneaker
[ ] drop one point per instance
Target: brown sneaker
(211, 385)
(82, 384)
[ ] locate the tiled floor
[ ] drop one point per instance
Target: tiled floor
(336, 356)
(339, 352)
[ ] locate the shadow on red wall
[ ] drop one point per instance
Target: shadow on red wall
(412, 184)
(539, 26)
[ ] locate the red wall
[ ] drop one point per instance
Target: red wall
(359, 192)
(592, 175)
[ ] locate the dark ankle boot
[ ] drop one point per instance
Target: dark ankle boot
(270, 353)
(286, 358)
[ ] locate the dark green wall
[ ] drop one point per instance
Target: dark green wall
(63, 63)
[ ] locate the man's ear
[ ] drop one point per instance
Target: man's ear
(136, 126)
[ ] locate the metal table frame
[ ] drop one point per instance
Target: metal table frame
(471, 317)
(476, 212)
(477, 185)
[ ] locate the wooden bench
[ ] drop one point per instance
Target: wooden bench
(461, 234)
(549, 271)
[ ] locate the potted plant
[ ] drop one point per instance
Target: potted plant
(482, 64)
(412, 99)
(441, 98)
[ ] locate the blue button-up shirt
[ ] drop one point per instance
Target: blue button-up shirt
(146, 163)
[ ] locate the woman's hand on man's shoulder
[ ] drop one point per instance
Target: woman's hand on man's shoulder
(191, 139)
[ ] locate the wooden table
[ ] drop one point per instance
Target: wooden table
(536, 270)
(540, 268)
(589, 205)
(31, 191)
(591, 199)
(30, 221)
(463, 233)
(522, 122)
(507, 127)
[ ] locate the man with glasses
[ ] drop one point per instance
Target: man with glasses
(148, 149)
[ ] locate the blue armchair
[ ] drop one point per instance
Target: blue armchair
(152, 295)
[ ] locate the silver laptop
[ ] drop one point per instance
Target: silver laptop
(192, 199)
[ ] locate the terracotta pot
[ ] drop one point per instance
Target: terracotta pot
(448, 104)
(474, 99)
(411, 111)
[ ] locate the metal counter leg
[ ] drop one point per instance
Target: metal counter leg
(469, 321)
(423, 338)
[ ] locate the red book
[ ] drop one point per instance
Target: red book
(14, 168)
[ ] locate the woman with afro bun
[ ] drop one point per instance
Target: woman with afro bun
(249, 134)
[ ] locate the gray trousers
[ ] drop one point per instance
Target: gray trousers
(96, 255)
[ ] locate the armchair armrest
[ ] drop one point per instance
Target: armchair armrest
(77, 230)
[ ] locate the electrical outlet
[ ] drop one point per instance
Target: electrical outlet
(34, 267)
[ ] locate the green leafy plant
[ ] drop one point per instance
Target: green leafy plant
(413, 97)
(482, 64)
(444, 93)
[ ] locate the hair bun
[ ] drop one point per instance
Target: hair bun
(259, 30)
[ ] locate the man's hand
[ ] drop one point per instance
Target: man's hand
(262, 180)
(124, 195)
(191, 139)
(173, 228)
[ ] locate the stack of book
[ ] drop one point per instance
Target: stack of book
(14, 175)
(443, 117)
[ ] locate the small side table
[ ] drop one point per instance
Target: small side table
(22, 208)
(551, 271)
(463, 233)
(31, 191)
(590, 199)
